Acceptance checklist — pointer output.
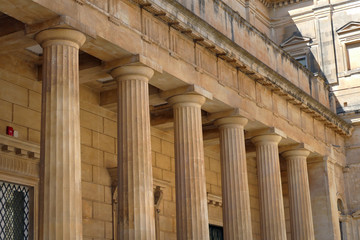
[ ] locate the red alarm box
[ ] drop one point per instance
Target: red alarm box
(9, 131)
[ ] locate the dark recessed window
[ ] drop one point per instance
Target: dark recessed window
(302, 60)
(216, 232)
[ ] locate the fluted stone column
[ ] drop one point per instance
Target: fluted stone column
(61, 204)
(235, 187)
(191, 200)
(272, 218)
(299, 195)
(135, 186)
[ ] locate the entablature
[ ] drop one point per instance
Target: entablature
(19, 157)
(233, 57)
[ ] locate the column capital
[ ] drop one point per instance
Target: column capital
(235, 112)
(64, 36)
(186, 90)
(189, 155)
(234, 120)
(295, 153)
(185, 99)
(265, 131)
(266, 139)
(132, 72)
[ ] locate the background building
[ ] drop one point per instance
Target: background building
(165, 119)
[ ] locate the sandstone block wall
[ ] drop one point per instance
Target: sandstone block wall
(20, 108)
(20, 98)
(254, 196)
(98, 151)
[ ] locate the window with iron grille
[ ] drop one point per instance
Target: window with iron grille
(14, 211)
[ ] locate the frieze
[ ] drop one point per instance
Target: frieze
(18, 165)
(242, 60)
(247, 64)
(19, 156)
(214, 200)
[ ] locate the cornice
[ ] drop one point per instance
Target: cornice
(349, 28)
(19, 147)
(214, 200)
(295, 40)
(280, 3)
(186, 22)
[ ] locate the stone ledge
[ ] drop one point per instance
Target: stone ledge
(19, 157)
(214, 199)
(229, 49)
(19, 147)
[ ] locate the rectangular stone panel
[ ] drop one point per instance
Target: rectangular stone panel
(91, 191)
(35, 101)
(13, 93)
(155, 29)
(266, 96)
(182, 46)
(294, 114)
(27, 117)
(126, 12)
(247, 85)
(5, 110)
(227, 74)
(206, 60)
(94, 228)
(103, 142)
(91, 121)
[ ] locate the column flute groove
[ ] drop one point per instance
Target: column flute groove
(60, 195)
(191, 200)
(135, 190)
(272, 217)
(301, 220)
(235, 187)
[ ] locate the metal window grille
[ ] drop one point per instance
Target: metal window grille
(14, 211)
(216, 232)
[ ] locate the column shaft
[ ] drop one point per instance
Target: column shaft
(191, 200)
(135, 186)
(61, 200)
(235, 188)
(270, 189)
(299, 195)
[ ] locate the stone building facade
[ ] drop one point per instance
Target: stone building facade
(165, 119)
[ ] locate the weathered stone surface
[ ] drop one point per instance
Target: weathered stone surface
(299, 195)
(191, 205)
(235, 190)
(271, 198)
(208, 44)
(60, 210)
(135, 189)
